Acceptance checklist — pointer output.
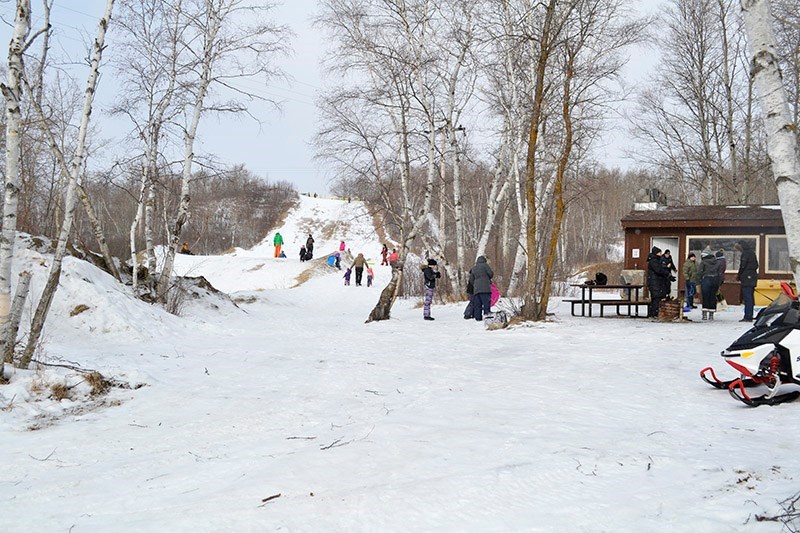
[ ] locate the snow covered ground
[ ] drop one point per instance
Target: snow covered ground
(578, 424)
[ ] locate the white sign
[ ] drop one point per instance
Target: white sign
(635, 253)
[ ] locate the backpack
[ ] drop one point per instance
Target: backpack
(600, 279)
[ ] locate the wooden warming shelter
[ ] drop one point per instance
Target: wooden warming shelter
(690, 228)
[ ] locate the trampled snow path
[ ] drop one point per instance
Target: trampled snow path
(577, 424)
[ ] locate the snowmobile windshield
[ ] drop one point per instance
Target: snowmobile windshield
(782, 309)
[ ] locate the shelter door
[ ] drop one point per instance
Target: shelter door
(671, 244)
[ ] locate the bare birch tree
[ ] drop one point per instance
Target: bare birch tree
(781, 129)
(12, 93)
(150, 65)
(76, 169)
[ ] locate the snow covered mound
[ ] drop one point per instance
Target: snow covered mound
(89, 302)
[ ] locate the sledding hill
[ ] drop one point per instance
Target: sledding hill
(329, 221)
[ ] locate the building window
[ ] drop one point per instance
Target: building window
(777, 254)
(698, 243)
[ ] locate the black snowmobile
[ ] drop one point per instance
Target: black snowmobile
(767, 356)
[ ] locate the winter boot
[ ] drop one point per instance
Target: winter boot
(711, 315)
(705, 314)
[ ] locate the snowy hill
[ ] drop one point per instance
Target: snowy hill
(329, 221)
(290, 413)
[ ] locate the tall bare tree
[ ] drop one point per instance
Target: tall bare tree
(76, 169)
(781, 129)
(12, 93)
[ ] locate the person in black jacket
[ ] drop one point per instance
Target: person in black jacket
(666, 258)
(708, 272)
(657, 280)
(748, 277)
(430, 275)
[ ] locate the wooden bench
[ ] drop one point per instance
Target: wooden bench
(632, 305)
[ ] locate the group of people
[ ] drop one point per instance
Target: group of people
(389, 259)
(709, 274)
(358, 265)
(307, 251)
(482, 292)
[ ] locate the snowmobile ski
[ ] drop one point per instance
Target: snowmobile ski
(737, 391)
(719, 384)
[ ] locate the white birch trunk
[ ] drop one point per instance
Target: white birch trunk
(69, 203)
(496, 195)
(12, 92)
(781, 131)
(134, 226)
(9, 339)
(182, 217)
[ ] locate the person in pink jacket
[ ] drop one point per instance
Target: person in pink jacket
(495, 295)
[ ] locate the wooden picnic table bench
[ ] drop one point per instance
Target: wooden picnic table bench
(587, 299)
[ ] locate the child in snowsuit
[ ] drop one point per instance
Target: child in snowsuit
(347, 276)
(302, 253)
(337, 260)
(430, 276)
(370, 276)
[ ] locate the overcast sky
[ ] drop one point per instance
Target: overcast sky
(279, 148)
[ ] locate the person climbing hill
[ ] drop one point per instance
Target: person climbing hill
(278, 242)
(358, 265)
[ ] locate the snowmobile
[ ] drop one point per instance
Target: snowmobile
(767, 356)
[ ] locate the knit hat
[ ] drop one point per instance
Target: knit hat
(432, 262)
(667, 251)
(720, 253)
(655, 250)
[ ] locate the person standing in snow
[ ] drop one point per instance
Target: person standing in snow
(337, 260)
(429, 276)
(370, 276)
(394, 258)
(347, 276)
(690, 280)
(722, 266)
(341, 246)
(302, 253)
(708, 272)
(358, 265)
(670, 264)
(309, 246)
(657, 280)
(748, 277)
(278, 242)
(384, 253)
(481, 277)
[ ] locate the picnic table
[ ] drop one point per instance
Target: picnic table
(631, 302)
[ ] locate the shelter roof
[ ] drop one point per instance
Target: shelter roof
(706, 216)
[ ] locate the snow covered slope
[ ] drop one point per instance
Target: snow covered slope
(330, 221)
(576, 424)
